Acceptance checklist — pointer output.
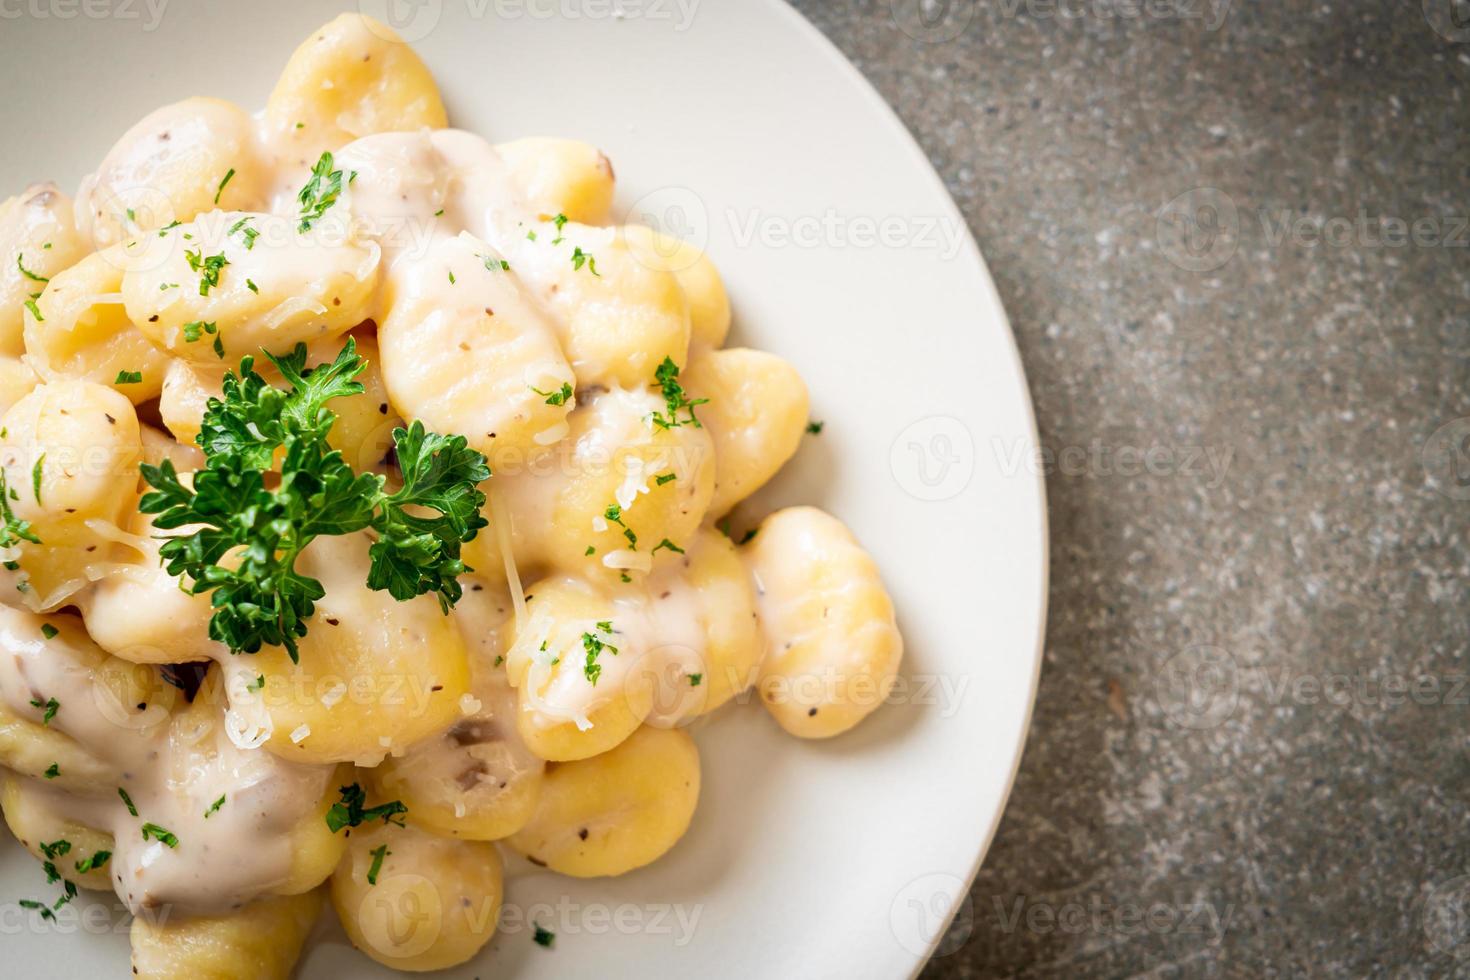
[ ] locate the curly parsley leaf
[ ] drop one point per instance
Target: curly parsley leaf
(417, 553)
(264, 525)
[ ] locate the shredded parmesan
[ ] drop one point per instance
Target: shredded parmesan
(500, 515)
(636, 561)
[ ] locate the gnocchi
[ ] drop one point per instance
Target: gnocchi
(441, 571)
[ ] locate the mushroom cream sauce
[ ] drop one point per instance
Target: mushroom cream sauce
(526, 687)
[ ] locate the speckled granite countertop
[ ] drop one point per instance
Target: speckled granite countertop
(1233, 243)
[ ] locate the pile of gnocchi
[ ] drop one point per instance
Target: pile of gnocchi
(225, 795)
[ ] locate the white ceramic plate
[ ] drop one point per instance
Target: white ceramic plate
(734, 123)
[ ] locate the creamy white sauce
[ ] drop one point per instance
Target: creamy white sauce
(407, 193)
(173, 767)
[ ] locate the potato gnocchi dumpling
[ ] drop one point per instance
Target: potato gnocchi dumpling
(177, 162)
(207, 287)
(351, 78)
(557, 176)
(619, 318)
(659, 479)
(464, 584)
(38, 239)
(34, 821)
(16, 381)
(143, 614)
(375, 674)
(80, 331)
(261, 941)
(563, 715)
(69, 459)
(756, 415)
(465, 350)
(709, 305)
(832, 647)
(617, 811)
(477, 779)
(415, 901)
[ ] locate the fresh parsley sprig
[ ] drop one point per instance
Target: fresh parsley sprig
(258, 596)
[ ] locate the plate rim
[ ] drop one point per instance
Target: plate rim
(980, 267)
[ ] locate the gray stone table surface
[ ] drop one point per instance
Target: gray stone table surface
(1233, 234)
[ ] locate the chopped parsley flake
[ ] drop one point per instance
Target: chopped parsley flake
(27, 272)
(128, 800)
(221, 189)
(49, 631)
(580, 257)
(593, 645)
(614, 513)
(94, 862)
(378, 854)
(663, 478)
(160, 834)
(14, 530)
(320, 192)
(128, 378)
(53, 770)
(214, 807)
(559, 397)
(50, 704)
(544, 937)
(350, 812)
(694, 679)
(666, 376)
(245, 231)
(30, 304)
(208, 267)
(666, 543)
(196, 329)
(36, 477)
(814, 427)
